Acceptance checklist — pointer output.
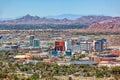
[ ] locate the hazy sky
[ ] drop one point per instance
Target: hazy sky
(17, 8)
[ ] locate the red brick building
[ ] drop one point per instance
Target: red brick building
(59, 45)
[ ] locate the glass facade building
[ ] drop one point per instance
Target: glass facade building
(36, 43)
(31, 39)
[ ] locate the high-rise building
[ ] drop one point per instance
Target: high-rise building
(59, 45)
(36, 43)
(85, 46)
(98, 45)
(68, 45)
(104, 43)
(75, 48)
(31, 39)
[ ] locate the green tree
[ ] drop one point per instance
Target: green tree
(35, 76)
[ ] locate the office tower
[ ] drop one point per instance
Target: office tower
(85, 46)
(68, 45)
(75, 48)
(31, 39)
(36, 43)
(59, 45)
(104, 43)
(98, 45)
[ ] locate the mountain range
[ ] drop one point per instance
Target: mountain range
(28, 19)
(91, 22)
(109, 25)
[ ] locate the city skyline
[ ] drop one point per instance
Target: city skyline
(42, 8)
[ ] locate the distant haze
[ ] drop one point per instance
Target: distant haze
(47, 8)
(68, 16)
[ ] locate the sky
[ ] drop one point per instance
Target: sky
(18, 8)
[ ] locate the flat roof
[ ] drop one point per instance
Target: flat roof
(82, 62)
